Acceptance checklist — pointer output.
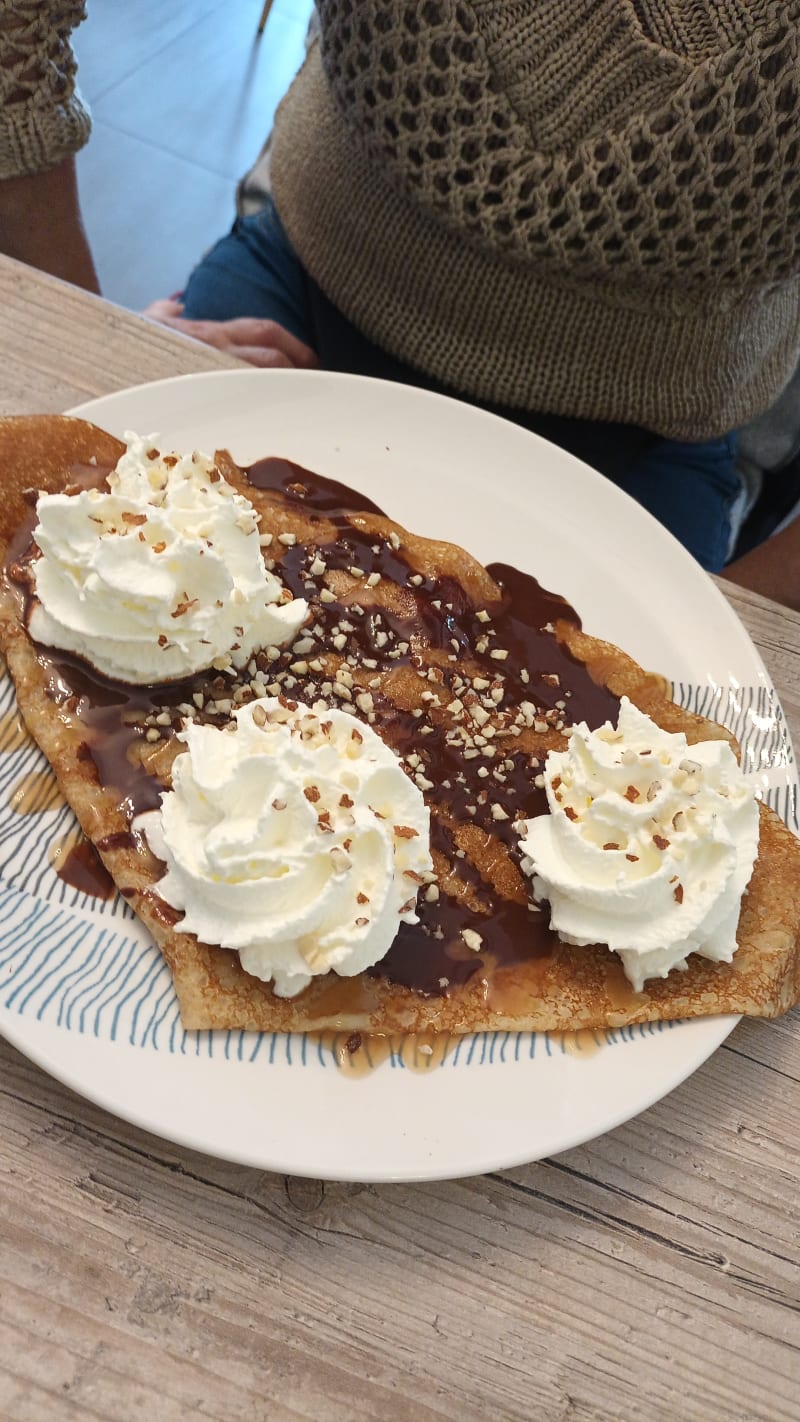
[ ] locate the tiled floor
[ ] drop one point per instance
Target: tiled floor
(182, 97)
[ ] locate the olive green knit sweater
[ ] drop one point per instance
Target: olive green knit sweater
(590, 207)
(42, 117)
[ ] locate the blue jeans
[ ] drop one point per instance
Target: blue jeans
(691, 488)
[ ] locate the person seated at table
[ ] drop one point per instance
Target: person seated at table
(587, 223)
(590, 224)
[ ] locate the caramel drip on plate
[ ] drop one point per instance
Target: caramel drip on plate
(358, 1054)
(582, 1043)
(14, 734)
(36, 792)
(619, 990)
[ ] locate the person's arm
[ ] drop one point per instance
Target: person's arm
(43, 123)
(260, 342)
(773, 568)
(41, 224)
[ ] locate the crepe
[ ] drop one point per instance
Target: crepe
(522, 977)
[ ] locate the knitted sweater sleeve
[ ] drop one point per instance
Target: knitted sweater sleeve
(42, 117)
(643, 138)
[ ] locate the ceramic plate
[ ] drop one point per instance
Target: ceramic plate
(85, 994)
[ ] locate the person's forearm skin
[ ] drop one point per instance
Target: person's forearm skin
(41, 224)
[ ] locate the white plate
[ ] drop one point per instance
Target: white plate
(84, 993)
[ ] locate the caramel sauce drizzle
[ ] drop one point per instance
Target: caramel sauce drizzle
(14, 734)
(583, 1043)
(358, 1054)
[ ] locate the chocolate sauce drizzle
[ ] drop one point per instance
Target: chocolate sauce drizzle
(485, 794)
(83, 869)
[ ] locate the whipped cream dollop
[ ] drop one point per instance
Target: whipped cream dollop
(293, 836)
(648, 847)
(159, 577)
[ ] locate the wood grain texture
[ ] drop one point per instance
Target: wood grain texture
(136, 1274)
(62, 346)
(650, 1275)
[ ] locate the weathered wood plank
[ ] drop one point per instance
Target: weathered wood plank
(62, 346)
(567, 1289)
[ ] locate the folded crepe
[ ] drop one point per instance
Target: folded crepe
(479, 958)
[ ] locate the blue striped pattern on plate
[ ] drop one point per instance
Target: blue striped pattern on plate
(87, 965)
(755, 716)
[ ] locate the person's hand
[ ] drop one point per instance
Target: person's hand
(262, 343)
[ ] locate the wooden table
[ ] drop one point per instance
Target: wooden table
(651, 1274)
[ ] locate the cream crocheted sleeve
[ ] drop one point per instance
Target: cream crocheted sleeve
(42, 117)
